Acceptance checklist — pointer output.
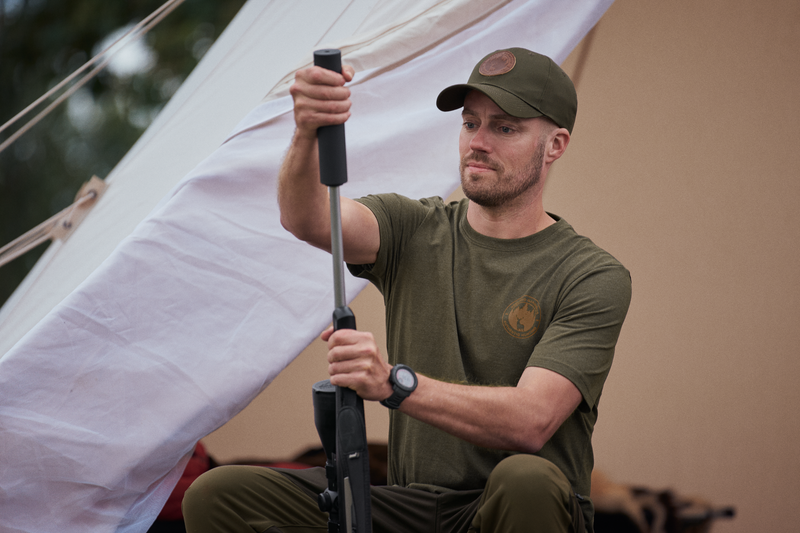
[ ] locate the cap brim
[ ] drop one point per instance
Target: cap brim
(453, 98)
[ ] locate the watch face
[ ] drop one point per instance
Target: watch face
(404, 378)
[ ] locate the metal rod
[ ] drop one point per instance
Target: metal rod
(337, 249)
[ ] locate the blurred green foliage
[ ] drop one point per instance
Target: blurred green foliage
(41, 43)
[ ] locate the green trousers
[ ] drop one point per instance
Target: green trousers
(524, 493)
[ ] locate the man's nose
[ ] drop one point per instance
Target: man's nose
(480, 141)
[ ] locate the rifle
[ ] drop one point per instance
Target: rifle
(339, 411)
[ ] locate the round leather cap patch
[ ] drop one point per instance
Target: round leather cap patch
(498, 63)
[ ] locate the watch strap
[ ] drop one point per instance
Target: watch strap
(394, 401)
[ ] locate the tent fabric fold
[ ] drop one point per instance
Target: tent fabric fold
(403, 39)
(209, 298)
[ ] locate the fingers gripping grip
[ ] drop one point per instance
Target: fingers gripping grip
(332, 149)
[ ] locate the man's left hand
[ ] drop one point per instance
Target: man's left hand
(355, 362)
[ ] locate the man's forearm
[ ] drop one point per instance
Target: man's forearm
(521, 418)
(303, 200)
(320, 99)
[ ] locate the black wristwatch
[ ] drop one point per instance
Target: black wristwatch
(403, 381)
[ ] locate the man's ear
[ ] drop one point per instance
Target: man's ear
(559, 140)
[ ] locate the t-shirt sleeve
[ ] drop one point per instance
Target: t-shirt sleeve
(579, 342)
(398, 218)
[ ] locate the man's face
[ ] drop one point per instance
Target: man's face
(501, 155)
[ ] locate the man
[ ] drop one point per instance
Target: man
(501, 316)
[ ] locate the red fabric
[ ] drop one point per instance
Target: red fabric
(198, 464)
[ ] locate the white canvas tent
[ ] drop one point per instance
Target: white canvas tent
(180, 297)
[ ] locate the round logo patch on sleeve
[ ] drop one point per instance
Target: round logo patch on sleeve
(521, 318)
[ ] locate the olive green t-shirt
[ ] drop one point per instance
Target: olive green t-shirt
(464, 307)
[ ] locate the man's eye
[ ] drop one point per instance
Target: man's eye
(469, 125)
(505, 129)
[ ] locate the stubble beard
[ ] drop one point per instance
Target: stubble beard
(508, 185)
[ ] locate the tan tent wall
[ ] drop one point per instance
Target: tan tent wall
(683, 165)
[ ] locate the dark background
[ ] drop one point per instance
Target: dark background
(44, 41)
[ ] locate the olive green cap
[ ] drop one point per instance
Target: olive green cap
(522, 83)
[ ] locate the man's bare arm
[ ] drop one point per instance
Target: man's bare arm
(520, 418)
(321, 99)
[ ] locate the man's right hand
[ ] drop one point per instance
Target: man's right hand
(320, 98)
